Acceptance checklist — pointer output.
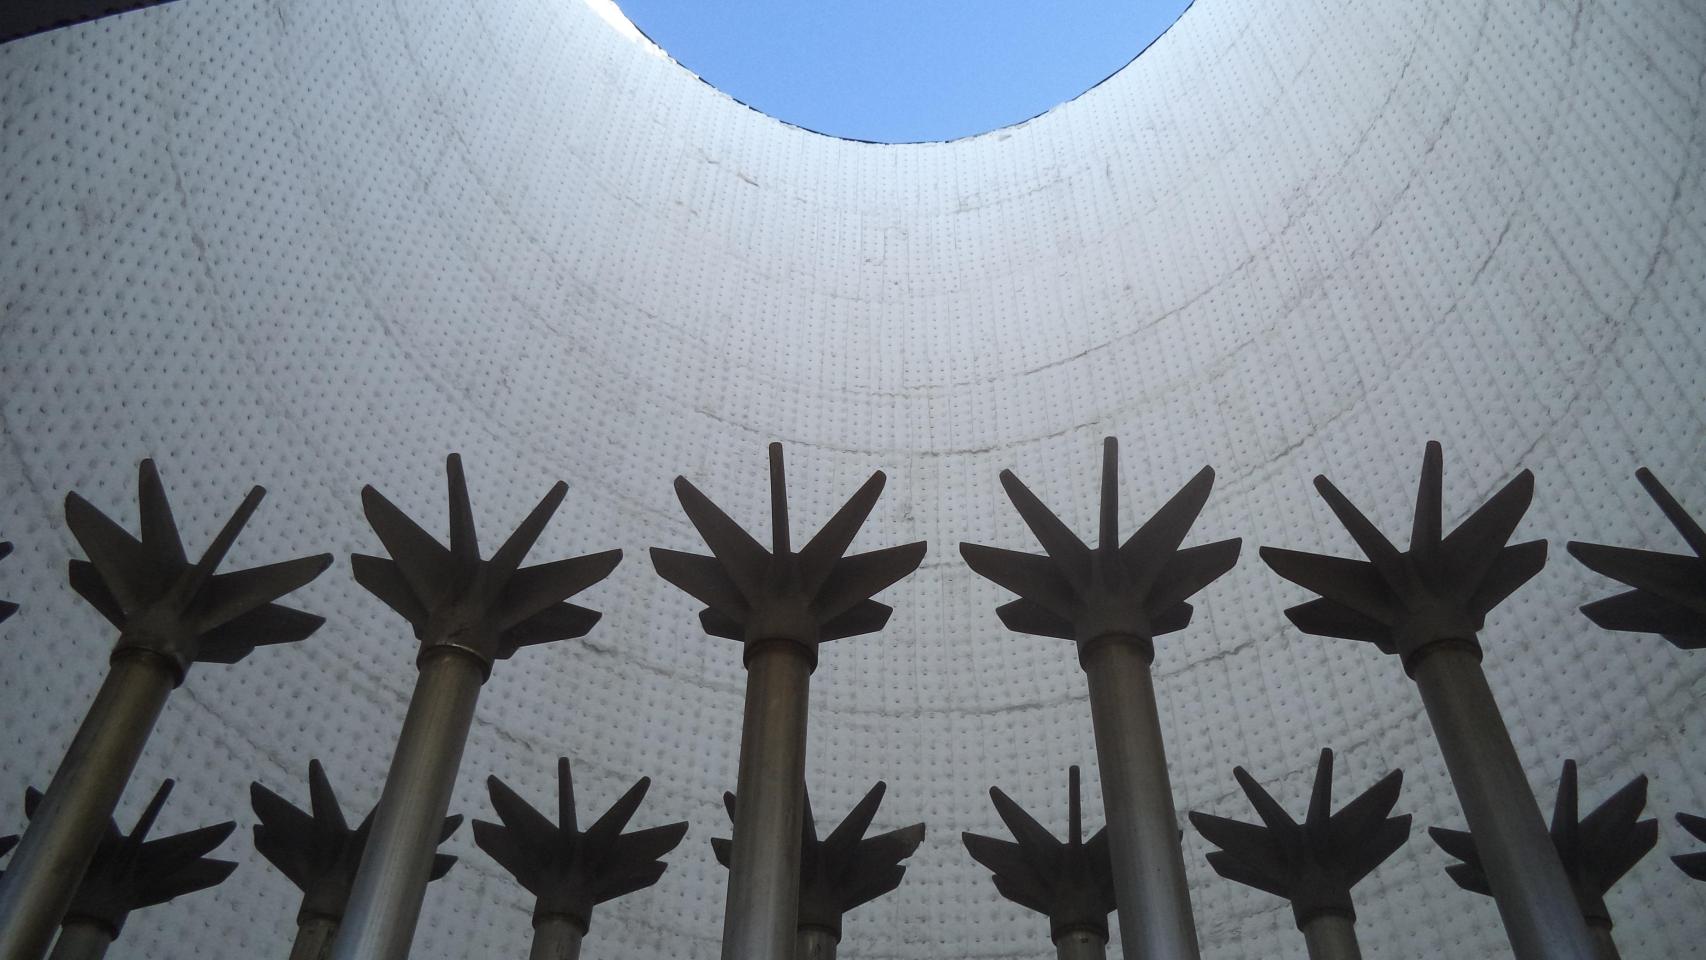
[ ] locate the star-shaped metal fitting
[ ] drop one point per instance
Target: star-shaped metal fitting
(486, 608)
(808, 597)
(1135, 590)
(7, 608)
(1440, 590)
(1693, 864)
(130, 872)
(18, 20)
(1313, 864)
(845, 869)
(317, 850)
(568, 870)
(6, 845)
(1669, 598)
(179, 610)
(1072, 882)
(1596, 850)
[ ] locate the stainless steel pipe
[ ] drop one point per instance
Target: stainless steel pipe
(314, 938)
(49, 862)
(556, 937)
(1535, 900)
(1081, 945)
(816, 943)
(385, 902)
(1143, 829)
(82, 941)
(762, 909)
(1331, 936)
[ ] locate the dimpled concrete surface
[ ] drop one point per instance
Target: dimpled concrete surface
(315, 244)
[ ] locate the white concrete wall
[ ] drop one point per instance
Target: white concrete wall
(316, 244)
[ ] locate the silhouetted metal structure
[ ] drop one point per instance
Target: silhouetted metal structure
(567, 870)
(170, 614)
(130, 872)
(23, 18)
(1693, 864)
(467, 612)
(7, 608)
(844, 870)
(1313, 864)
(1596, 850)
(1071, 883)
(1114, 601)
(318, 852)
(1669, 598)
(781, 605)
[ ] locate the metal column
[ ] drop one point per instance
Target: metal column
(1331, 936)
(79, 940)
(556, 938)
(1081, 945)
(816, 943)
(313, 938)
(762, 909)
(1143, 830)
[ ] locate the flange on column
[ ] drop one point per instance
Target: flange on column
(845, 870)
(781, 605)
(567, 870)
(318, 852)
(1114, 601)
(1071, 883)
(1313, 864)
(170, 614)
(1426, 606)
(1669, 598)
(467, 612)
(130, 872)
(1597, 850)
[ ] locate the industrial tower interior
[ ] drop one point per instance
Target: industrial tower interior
(319, 246)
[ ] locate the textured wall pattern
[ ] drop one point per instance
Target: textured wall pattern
(316, 244)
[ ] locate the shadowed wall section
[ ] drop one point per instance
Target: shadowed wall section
(315, 244)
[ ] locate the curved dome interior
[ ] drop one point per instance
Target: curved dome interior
(315, 245)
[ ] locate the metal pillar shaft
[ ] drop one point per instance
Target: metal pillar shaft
(1331, 936)
(1143, 829)
(314, 938)
(556, 938)
(1535, 901)
(764, 863)
(1603, 943)
(385, 901)
(49, 862)
(82, 941)
(1080, 945)
(815, 943)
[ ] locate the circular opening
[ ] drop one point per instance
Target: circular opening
(900, 71)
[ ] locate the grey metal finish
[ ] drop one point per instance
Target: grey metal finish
(762, 909)
(385, 902)
(1143, 835)
(171, 614)
(81, 940)
(556, 938)
(313, 938)
(1596, 850)
(1331, 936)
(1528, 881)
(1081, 945)
(1316, 863)
(1426, 606)
(1114, 600)
(43, 873)
(567, 870)
(467, 612)
(816, 943)
(782, 604)
(1669, 598)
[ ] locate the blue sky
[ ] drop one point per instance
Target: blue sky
(903, 70)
